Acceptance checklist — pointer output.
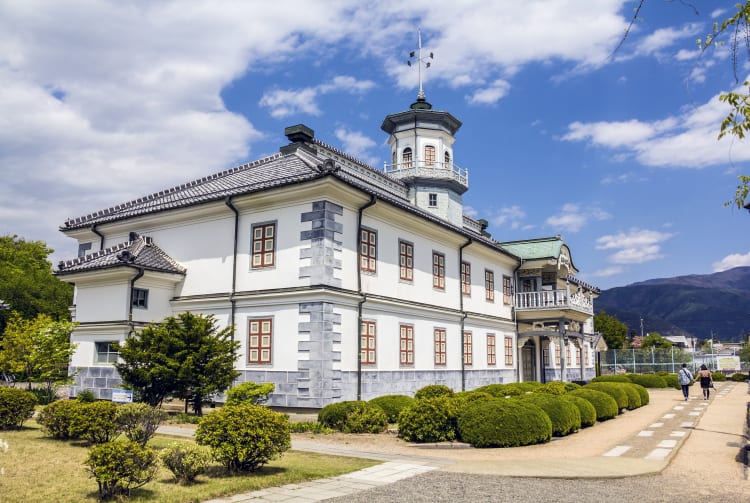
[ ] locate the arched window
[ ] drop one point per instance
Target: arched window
(406, 158)
(447, 159)
(429, 155)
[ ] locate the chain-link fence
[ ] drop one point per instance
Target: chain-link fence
(638, 361)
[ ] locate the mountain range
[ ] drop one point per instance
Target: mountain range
(698, 305)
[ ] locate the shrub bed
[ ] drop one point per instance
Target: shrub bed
(738, 377)
(428, 420)
(634, 398)
(613, 390)
(565, 417)
(557, 387)
(504, 423)
(244, 437)
(392, 405)
(496, 390)
(16, 406)
(643, 392)
(605, 406)
(650, 380)
(433, 391)
(585, 409)
(611, 378)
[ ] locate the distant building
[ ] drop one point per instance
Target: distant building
(342, 281)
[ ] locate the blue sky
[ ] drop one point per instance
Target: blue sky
(105, 101)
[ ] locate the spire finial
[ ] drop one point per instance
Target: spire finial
(419, 60)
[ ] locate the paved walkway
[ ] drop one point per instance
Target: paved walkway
(648, 451)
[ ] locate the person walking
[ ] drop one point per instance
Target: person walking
(707, 382)
(685, 378)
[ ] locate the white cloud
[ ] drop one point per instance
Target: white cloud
(634, 247)
(573, 218)
(732, 261)
(356, 144)
(489, 95)
(283, 103)
(687, 141)
(510, 216)
(607, 272)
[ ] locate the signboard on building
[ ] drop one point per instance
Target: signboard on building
(122, 395)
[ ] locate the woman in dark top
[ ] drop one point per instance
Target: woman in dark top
(704, 376)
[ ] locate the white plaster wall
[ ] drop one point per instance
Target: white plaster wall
(477, 302)
(159, 306)
(102, 302)
(85, 353)
(284, 351)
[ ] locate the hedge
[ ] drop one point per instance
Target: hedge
(606, 406)
(613, 390)
(611, 378)
(634, 397)
(504, 423)
(565, 417)
(587, 411)
(650, 380)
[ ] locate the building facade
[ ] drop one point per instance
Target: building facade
(342, 281)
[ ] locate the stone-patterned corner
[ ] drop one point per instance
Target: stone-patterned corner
(100, 380)
(324, 237)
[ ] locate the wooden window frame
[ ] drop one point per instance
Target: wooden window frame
(368, 250)
(507, 290)
(491, 350)
(558, 353)
(406, 345)
(489, 285)
(110, 356)
(263, 246)
(508, 351)
(139, 298)
(468, 343)
(432, 199)
(429, 155)
(368, 340)
(466, 279)
(438, 270)
(440, 337)
(260, 351)
(407, 157)
(405, 260)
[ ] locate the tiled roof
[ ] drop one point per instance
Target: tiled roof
(140, 252)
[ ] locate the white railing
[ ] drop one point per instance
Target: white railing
(554, 299)
(434, 169)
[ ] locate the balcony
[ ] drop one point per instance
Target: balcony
(429, 169)
(553, 303)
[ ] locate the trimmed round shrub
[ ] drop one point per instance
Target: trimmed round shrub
(554, 388)
(718, 376)
(96, 422)
(496, 390)
(138, 421)
(463, 398)
(334, 415)
(119, 467)
(565, 417)
(613, 390)
(585, 409)
(244, 437)
(433, 391)
(504, 423)
(606, 406)
(185, 461)
(428, 420)
(392, 405)
(365, 418)
(611, 378)
(671, 380)
(634, 398)
(738, 377)
(524, 387)
(86, 396)
(249, 392)
(16, 406)
(650, 380)
(642, 392)
(57, 419)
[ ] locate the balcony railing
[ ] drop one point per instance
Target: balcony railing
(554, 299)
(429, 169)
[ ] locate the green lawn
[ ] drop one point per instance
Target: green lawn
(40, 469)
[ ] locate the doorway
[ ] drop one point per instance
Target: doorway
(528, 361)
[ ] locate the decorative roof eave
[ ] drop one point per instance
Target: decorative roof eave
(139, 253)
(593, 289)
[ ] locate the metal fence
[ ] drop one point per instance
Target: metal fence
(637, 361)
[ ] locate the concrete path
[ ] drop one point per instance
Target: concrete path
(649, 450)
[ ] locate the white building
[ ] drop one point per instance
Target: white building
(342, 281)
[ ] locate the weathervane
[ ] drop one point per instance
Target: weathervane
(419, 61)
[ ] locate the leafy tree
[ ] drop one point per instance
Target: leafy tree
(613, 330)
(27, 284)
(38, 349)
(745, 354)
(656, 341)
(184, 356)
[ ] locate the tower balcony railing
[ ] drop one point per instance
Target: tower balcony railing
(554, 299)
(428, 169)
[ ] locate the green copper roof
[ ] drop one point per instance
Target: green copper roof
(535, 248)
